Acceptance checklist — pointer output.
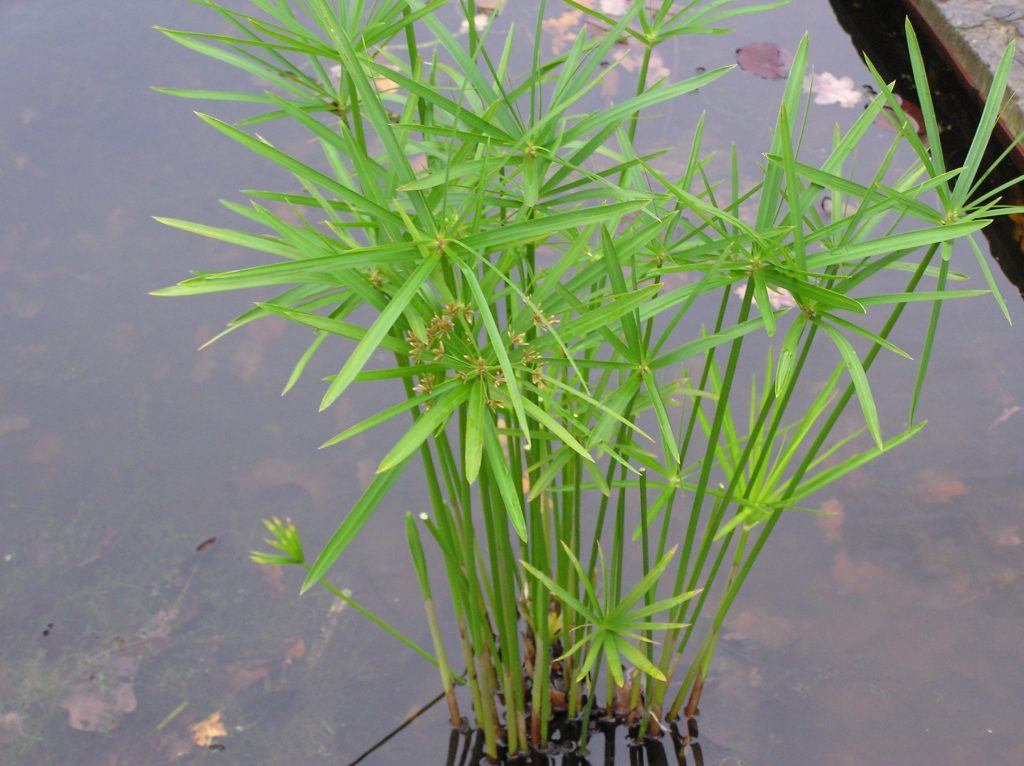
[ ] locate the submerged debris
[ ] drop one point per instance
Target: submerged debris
(96, 706)
(210, 728)
(12, 727)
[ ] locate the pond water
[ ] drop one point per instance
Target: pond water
(888, 633)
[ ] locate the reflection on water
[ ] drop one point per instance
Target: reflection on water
(607, 745)
(887, 632)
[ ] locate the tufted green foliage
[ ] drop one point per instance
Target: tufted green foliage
(558, 307)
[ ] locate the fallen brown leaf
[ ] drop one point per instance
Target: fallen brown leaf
(1006, 414)
(932, 486)
(759, 626)
(294, 649)
(630, 57)
(11, 425)
(266, 329)
(275, 472)
(243, 678)
(832, 524)
(1004, 537)
(105, 541)
(209, 729)
(45, 448)
(330, 625)
(205, 364)
(855, 576)
(385, 84)
(765, 60)
(98, 707)
(247, 359)
(274, 577)
(412, 713)
(755, 678)
(563, 30)
(12, 727)
(22, 306)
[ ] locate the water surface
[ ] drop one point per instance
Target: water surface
(889, 634)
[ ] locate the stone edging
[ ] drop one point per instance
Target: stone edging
(974, 34)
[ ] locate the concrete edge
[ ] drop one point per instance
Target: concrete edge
(973, 34)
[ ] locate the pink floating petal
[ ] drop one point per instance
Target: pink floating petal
(829, 89)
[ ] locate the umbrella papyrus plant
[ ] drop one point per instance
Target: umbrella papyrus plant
(558, 304)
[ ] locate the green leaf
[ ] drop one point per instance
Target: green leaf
(556, 428)
(303, 362)
(305, 172)
(630, 321)
(638, 659)
(859, 379)
(987, 123)
(376, 335)
(763, 302)
(563, 595)
(511, 495)
(252, 241)
(787, 356)
(694, 347)
(924, 296)
(333, 326)
(812, 292)
(476, 412)
(866, 333)
(424, 426)
(498, 347)
(389, 412)
(909, 240)
(989, 279)
(349, 528)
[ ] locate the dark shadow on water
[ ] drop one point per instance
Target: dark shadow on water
(606, 741)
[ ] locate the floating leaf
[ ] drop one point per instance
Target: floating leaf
(12, 425)
(613, 7)
(98, 707)
(829, 89)
(933, 486)
(630, 55)
(831, 520)
(760, 627)
(206, 731)
(240, 678)
(274, 576)
(12, 727)
(294, 649)
(856, 576)
(765, 60)
(1006, 414)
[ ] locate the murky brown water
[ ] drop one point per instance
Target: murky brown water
(889, 634)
